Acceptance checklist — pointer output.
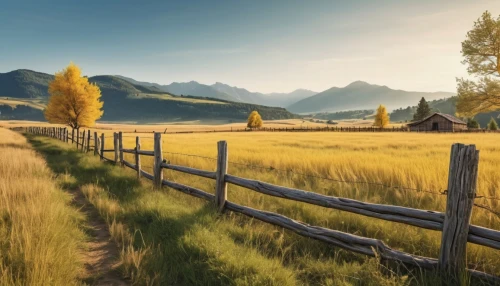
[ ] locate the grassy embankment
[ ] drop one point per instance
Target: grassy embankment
(181, 240)
(40, 234)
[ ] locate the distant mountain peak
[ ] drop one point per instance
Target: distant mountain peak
(358, 83)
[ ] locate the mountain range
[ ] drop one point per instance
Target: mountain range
(355, 96)
(361, 95)
(226, 92)
(193, 100)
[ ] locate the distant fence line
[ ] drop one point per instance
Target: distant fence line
(310, 129)
(454, 223)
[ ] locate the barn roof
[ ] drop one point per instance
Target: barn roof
(446, 116)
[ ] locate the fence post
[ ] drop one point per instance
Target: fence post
(158, 173)
(120, 146)
(77, 138)
(137, 156)
(462, 179)
(83, 140)
(115, 146)
(96, 150)
(102, 146)
(220, 180)
(88, 140)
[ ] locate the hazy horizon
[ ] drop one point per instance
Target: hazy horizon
(262, 47)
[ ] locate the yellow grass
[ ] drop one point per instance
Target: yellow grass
(198, 125)
(35, 103)
(39, 234)
(300, 160)
(411, 160)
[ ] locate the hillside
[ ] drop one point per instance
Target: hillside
(125, 101)
(361, 95)
(24, 84)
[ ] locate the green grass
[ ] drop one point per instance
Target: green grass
(170, 238)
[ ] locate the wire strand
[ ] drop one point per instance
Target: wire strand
(191, 155)
(488, 209)
(271, 168)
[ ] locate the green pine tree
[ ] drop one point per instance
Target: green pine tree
(472, 123)
(493, 124)
(423, 110)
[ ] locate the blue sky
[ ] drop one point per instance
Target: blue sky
(266, 46)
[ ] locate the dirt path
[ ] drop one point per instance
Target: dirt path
(101, 258)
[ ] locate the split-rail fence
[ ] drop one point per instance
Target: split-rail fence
(454, 222)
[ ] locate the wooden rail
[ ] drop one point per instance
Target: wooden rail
(454, 223)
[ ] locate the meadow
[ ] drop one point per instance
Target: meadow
(41, 235)
(178, 239)
(198, 125)
(13, 102)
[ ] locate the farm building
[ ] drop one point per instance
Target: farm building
(438, 122)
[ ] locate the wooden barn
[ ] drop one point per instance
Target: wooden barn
(438, 122)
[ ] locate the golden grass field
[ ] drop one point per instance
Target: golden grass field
(411, 160)
(181, 240)
(199, 125)
(40, 238)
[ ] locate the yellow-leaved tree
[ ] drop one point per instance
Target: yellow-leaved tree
(382, 118)
(254, 120)
(73, 101)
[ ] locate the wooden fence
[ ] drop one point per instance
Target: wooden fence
(454, 223)
(310, 129)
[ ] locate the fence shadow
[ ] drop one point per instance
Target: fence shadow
(173, 258)
(67, 160)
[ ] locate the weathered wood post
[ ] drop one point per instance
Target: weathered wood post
(102, 146)
(77, 138)
(120, 146)
(137, 156)
(96, 144)
(462, 179)
(220, 181)
(83, 141)
(158, 173)
(115, 146)
(88, 141)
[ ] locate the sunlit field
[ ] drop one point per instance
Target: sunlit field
(316, 161)
(180, 239)
(40, 237)
(200, 125)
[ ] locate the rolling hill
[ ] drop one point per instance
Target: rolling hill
(24, 84)
(361, 95)
(125, 101)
